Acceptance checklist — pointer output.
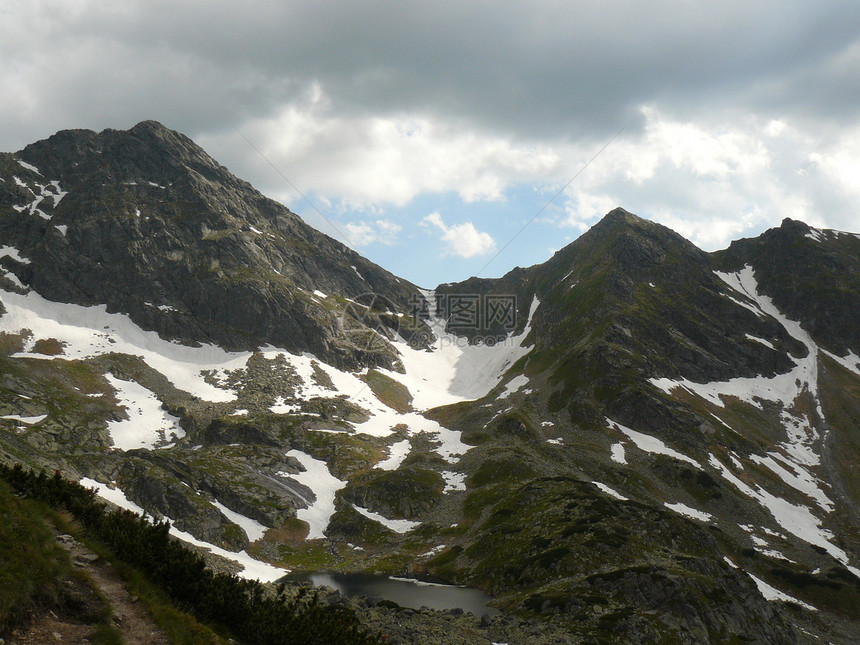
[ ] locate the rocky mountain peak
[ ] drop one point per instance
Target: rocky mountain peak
(147, 153)
(812, 274)
(620, 214)
(628, 245)
(147, 223)
(651, 425)
(789, 224)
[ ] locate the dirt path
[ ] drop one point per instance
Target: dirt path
(131, 617)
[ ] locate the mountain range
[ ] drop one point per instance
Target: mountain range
(635, 441)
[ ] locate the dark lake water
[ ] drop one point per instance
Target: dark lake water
(406, 592)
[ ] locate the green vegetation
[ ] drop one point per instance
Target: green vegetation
(393, 394)
(13, 343)
(840, 398)
(346, 454)
(404, 493)
(182, 628)
(505, 468)
(32, 565)
(48, 347)
(241, 608)
(306, 556)
(36, 574)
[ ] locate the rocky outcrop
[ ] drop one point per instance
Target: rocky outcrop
(590, 530)
(151, 226)
(812, 275)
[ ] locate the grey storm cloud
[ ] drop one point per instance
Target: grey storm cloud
(535, 71)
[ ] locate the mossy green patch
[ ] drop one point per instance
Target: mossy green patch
(32, 565)
(504, 468)
(393, 394)
(403, 493)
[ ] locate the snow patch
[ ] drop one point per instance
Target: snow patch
(764, 342)
(317, 477)
(796, 477)
(253, 529)
(397, 453)
(815, 234)
(434, 551)
(618, 453)
(736, 462)
(721, 421)
(850, 361)
(28, 166)
(114, 495)
(398, 526)
(784, 389)
(453, 481)
(424, 583)
(15, 254)
(280, 406)
(652, 445)
(33, 207)
(58, 192)
(147, 424)
(13, 278)
(91, 331)
(772, 593)
(611, 492)
(686, 511)
(758, 312)
(794, 518)
(383, 420)
(513, 385)
(453, 370)
(27, 420)
(251, 569)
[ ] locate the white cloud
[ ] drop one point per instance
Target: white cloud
(381, 231)
(366, 160)
(584, 209)
(359, 106)
(715, 180)
(463, 240)
(840, 164)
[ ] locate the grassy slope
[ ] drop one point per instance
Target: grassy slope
(36, 575)
(32, 566)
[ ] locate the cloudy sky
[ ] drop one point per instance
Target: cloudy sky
(447, 139)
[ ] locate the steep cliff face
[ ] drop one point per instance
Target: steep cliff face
(813, 275)
(718, 386)
(634, 440)
(146, 223)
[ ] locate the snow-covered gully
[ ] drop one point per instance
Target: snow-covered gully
(799, 454)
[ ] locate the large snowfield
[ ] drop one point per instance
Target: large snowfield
(451, 371)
